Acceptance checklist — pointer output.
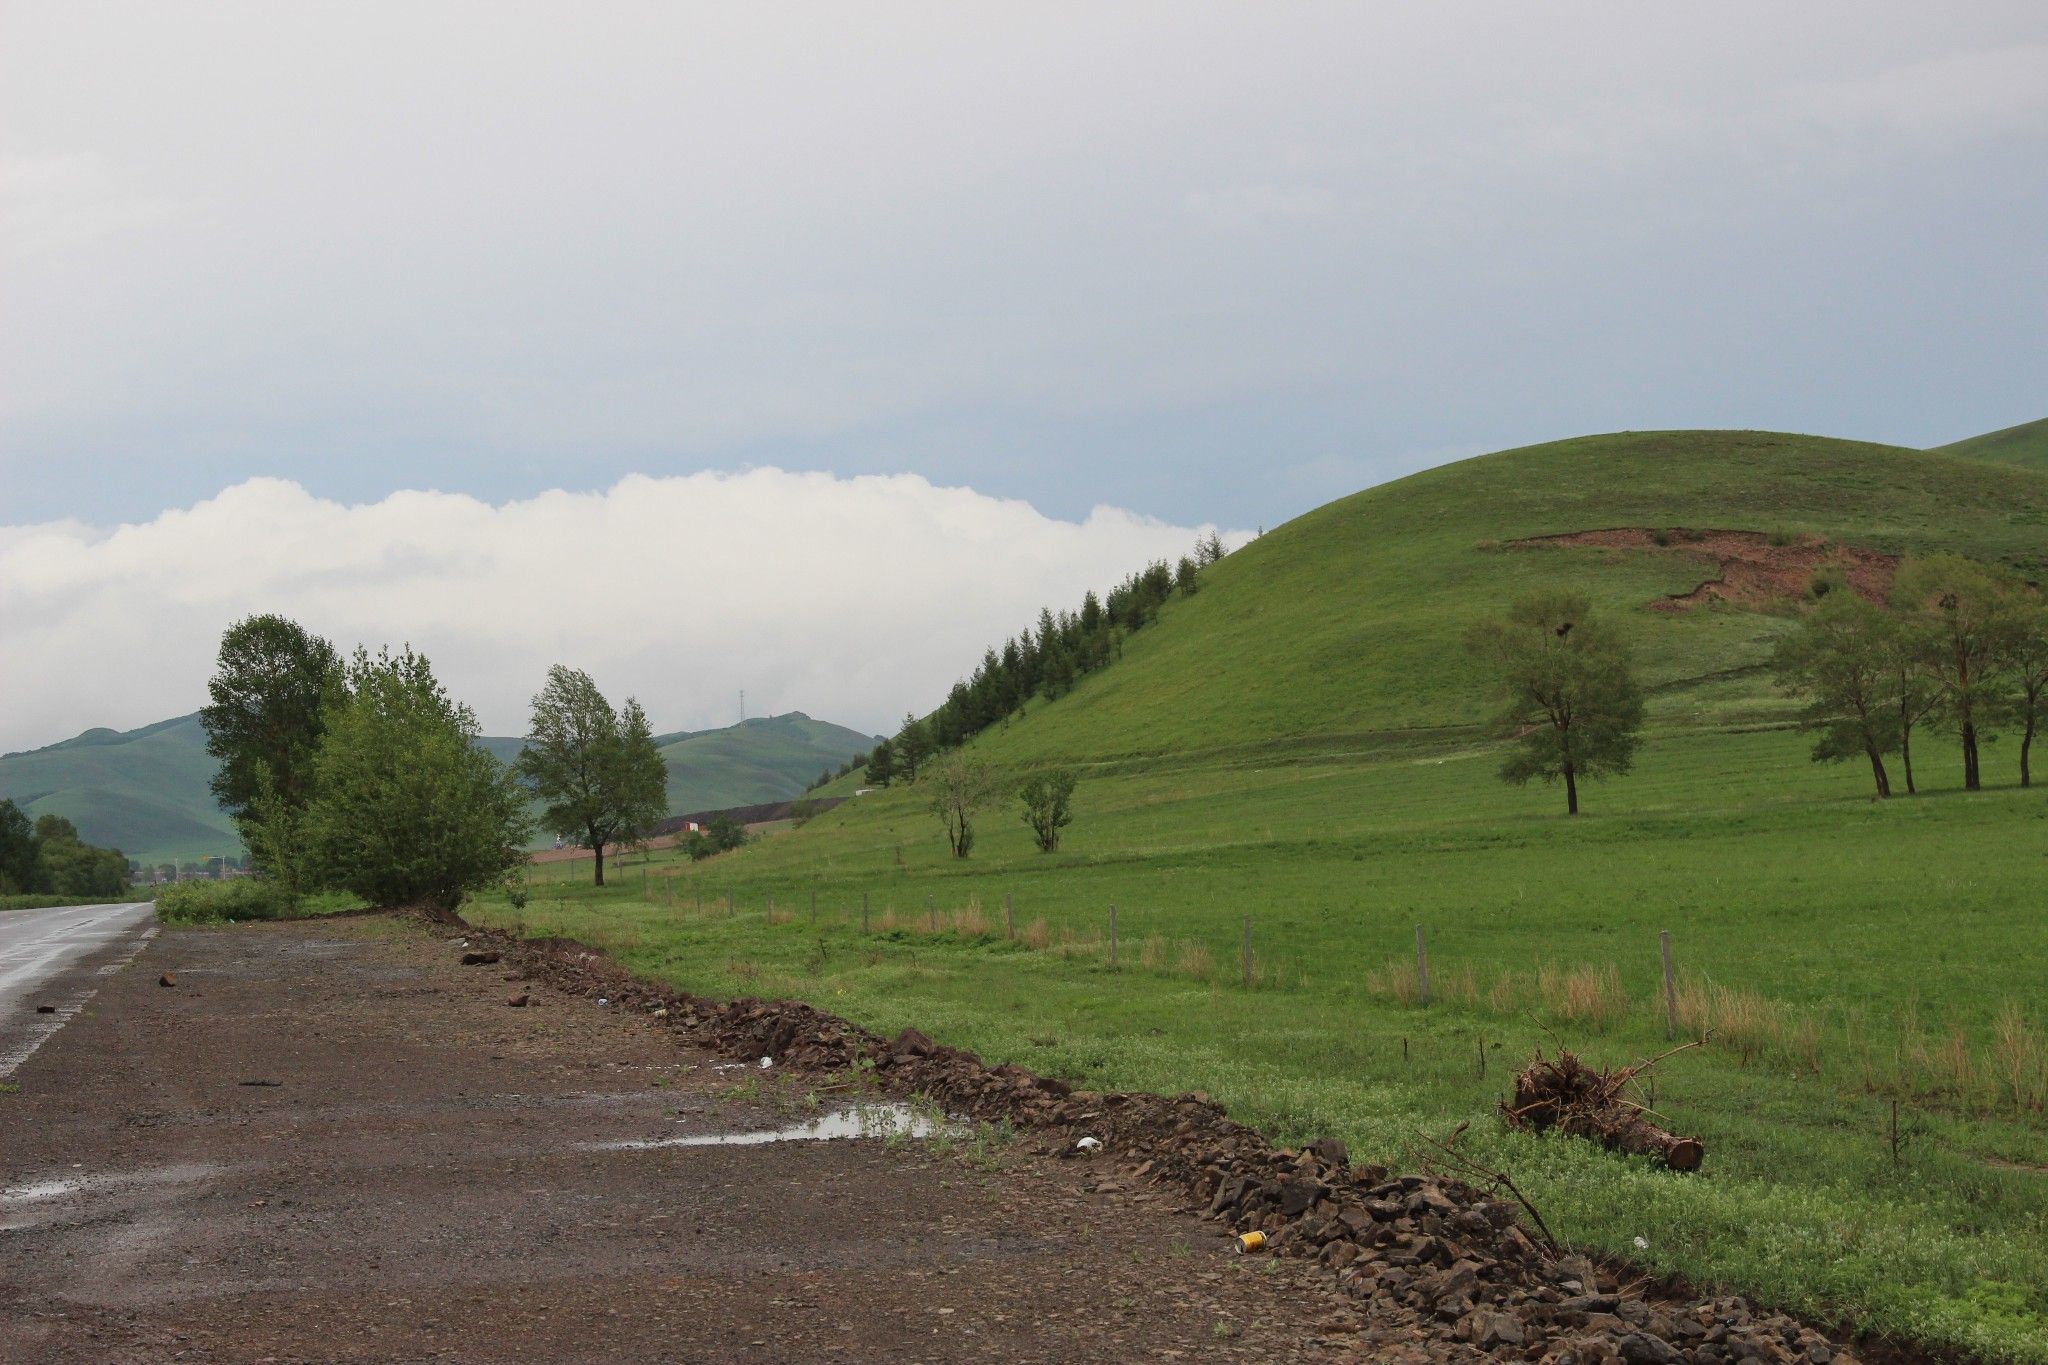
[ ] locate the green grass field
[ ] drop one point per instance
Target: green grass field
(1298, 744)
(1867, 937)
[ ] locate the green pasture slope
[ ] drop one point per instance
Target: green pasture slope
(2025, 444)
(141, 791)
(1295, 744)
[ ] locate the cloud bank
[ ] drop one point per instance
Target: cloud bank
(851, 598)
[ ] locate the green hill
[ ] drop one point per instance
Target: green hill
(768, 759)
(2025, 444)
(145, 791)
(1342, 628)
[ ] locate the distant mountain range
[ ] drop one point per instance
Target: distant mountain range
(145, 791)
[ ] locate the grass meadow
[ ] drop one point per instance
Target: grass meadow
(1871, 1098)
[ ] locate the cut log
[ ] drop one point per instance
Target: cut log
(1580, 1101)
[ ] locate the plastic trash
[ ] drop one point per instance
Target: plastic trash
(1088, 1144)
(602, 1001)
(1249, 1242)
(767, 1062)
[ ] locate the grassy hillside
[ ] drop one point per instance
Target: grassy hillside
(2025, 444)
(768, 759)
(145, 791)
(1294, 746)
(1343, 627)
(141, 791)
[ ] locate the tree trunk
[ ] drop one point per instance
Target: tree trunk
(1884, 786)
(2027, 743)
(597, 847)
(1571, 791)
(1972, 780)
(1906, 756)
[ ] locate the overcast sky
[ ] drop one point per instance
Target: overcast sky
(1210, 264)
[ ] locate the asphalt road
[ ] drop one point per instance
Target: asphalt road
(57, 958)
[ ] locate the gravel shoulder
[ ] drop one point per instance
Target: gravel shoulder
(330, 1141)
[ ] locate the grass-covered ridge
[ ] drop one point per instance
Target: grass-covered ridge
(2025, 444)
(1345, 624)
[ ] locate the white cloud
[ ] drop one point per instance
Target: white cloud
(851, 598)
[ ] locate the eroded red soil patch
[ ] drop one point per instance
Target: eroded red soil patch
(1751, 569)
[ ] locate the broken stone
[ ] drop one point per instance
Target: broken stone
(517, 1001)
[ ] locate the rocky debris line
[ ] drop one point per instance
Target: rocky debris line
(1574, 1098)
(1432, 1250)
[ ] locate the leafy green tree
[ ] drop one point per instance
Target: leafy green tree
(1958, 612)
(265, 714)
(881, 764)
(1048, 805)
(597, 771)
(21, 866)
(956, 788)
(407, 809)
(725, 833)
(1841, 659)
(1568, 689)
(2026, 659)
(276, 832)
(1187, 576)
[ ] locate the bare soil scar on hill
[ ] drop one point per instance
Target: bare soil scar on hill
(1752, 568)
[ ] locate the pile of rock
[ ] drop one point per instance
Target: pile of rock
(1424, 1248)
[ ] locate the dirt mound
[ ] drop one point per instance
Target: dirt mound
(1751, 568)
(1429, 1248)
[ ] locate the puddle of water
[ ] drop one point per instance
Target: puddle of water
(862, 1121)
(42, 1189)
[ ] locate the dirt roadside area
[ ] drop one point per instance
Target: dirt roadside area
(330, 1141)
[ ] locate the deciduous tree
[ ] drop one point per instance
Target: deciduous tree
(2026, 658)
(1048, 805)
(266, 702)
(1568, 688)
(956, 788)
(1958, 612)
(599, 776)
(407, 809)
(1841, 659)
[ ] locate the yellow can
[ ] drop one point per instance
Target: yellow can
(1250, 1242)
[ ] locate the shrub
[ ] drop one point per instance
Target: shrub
(243, 898)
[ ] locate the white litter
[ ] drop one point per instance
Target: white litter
(1088, 1144)
(1642, 1244)
(767, 1062)
(602, 1001)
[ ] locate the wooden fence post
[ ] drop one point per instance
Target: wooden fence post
(1421, 967)
(1670, 986)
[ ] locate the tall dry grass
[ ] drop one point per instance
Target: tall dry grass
(1588, 996)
